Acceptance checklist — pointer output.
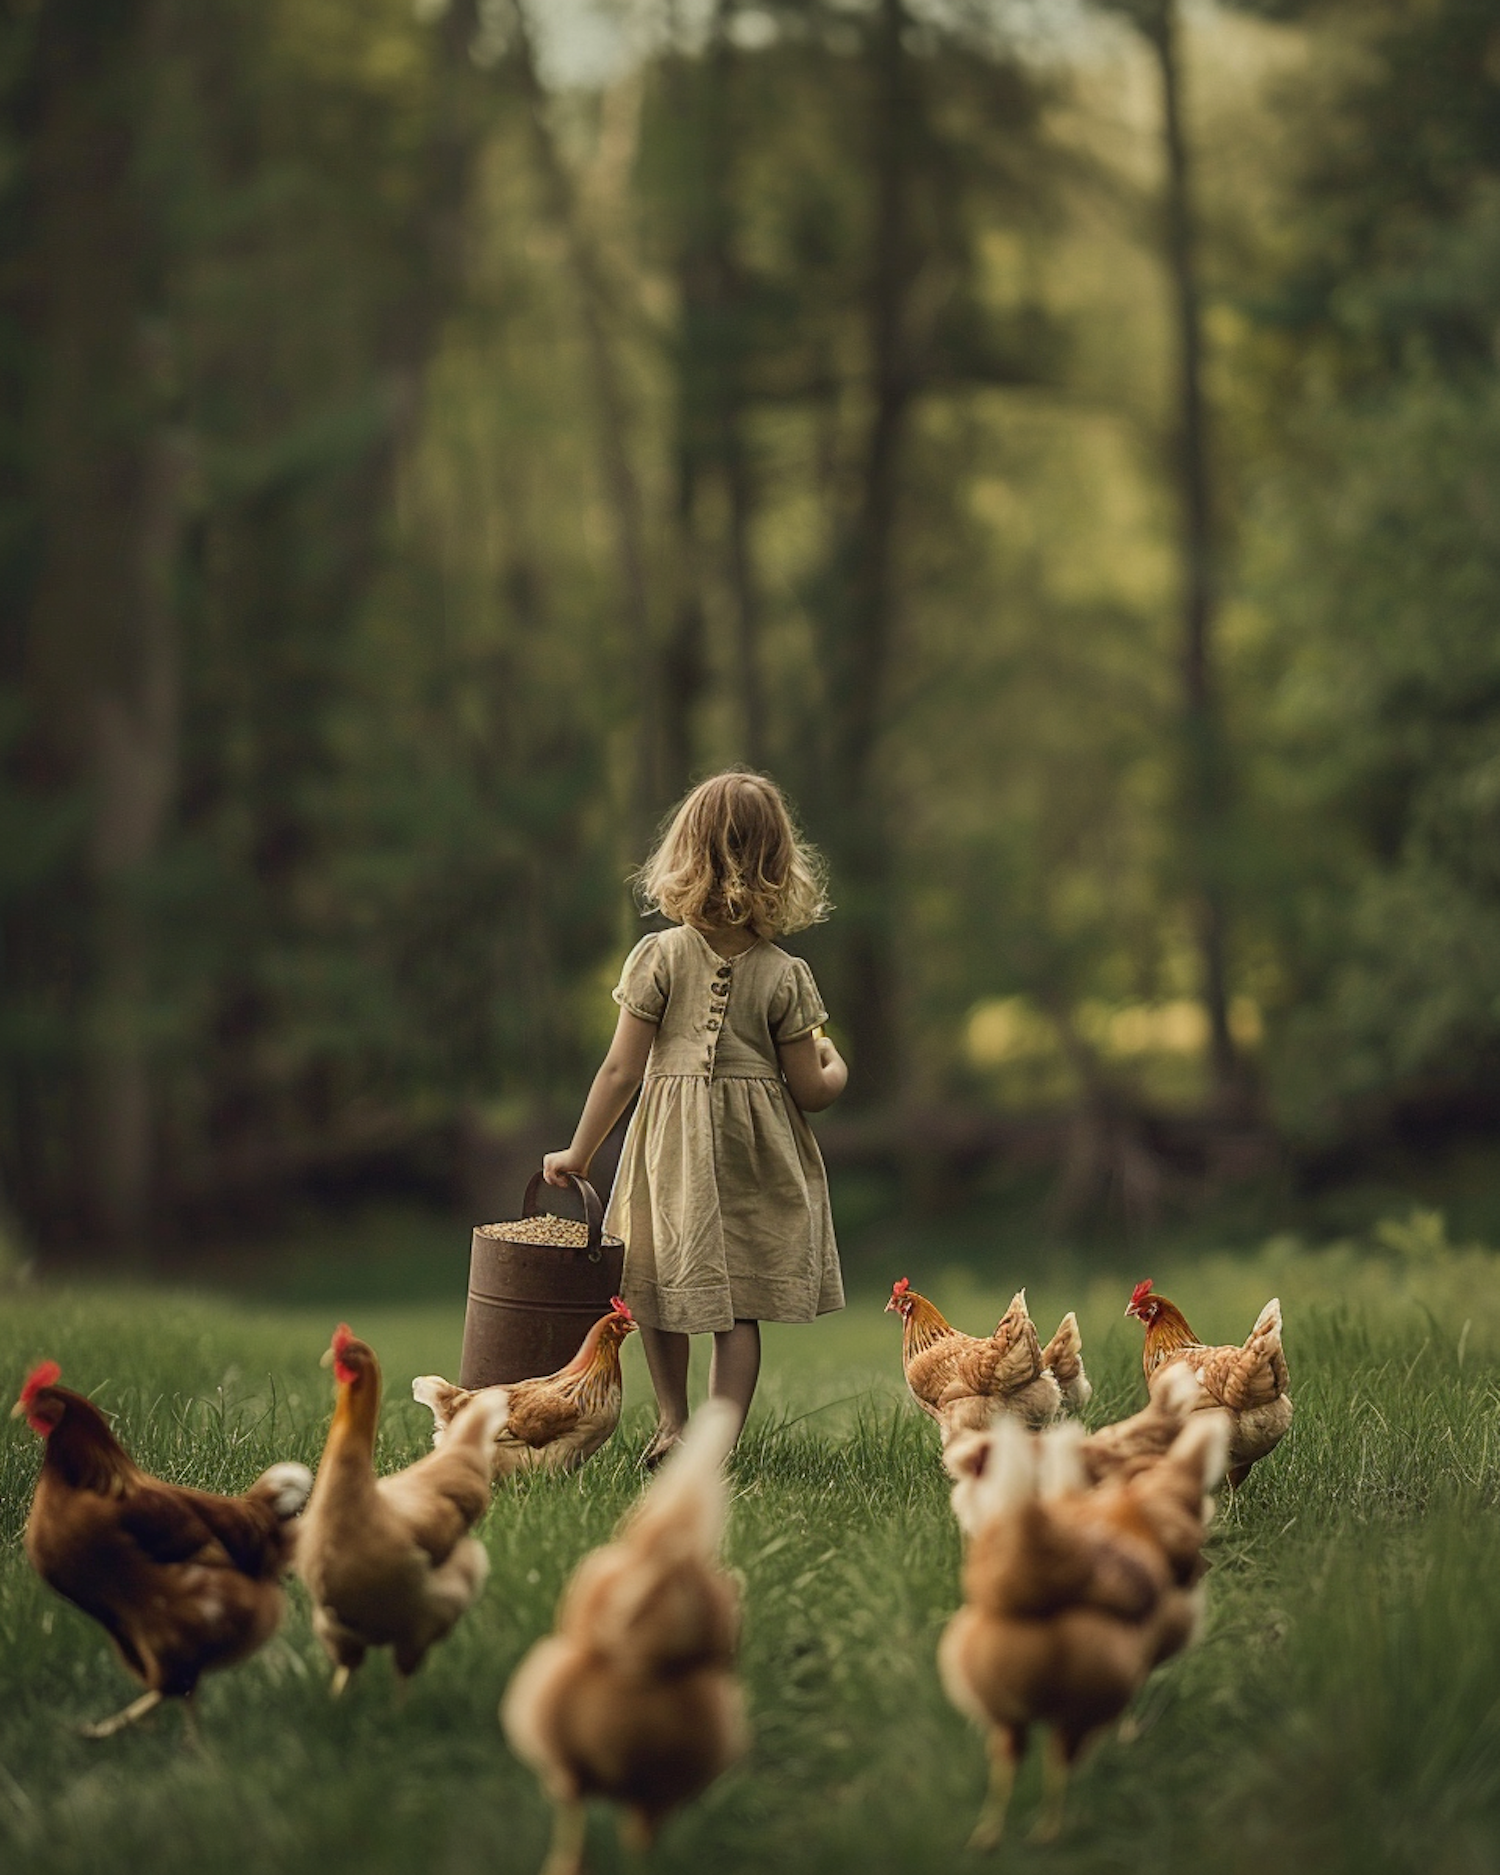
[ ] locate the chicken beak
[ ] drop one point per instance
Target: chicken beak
(18, 1409)
(325, 1359)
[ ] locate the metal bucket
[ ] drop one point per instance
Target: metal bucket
(530, 1305)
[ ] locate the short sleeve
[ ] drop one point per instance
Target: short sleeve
(796, 1008)
(643, 984)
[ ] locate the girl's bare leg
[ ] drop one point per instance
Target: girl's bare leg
(667, 1358)
(736, 1366)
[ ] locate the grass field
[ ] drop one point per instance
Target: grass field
(1341, 1713)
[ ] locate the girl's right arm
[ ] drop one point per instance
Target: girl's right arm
(614, 1084)
(815, 1071)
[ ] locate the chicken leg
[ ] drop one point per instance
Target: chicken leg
(1006, 1743)
(137, 1709)
(569, 1831)
(1057, 1761)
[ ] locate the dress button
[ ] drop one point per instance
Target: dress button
(722, 971)
(713, 1022)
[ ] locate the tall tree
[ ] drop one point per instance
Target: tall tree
(620, 475)
(1205, 789)
(96, 658)
(863, 595)
(1375, 556)
(196, 466)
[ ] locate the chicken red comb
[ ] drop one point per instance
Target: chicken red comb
(343, 1338)
(621, 1307)
(1140, 1292)
(44, 1374)
(900, 1286)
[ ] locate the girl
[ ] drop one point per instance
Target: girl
(721, 1196)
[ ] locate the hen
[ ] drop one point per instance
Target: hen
(1250, 1381)
(1071, 1596)
(182, 1581)
(389, 1562)
(1112, 1455)
(556, 1421)
(960, 1379)
(634, 1698)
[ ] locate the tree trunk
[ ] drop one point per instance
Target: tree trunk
(136, 749)
(684, 672)
(727, 353)
(286, 612)
(1204, 808)
(100, 658)
(710, 413)
(862, 604)
(621, 483)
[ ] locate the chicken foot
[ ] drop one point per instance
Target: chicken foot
(1005, 1745)
(1057, 1761)
(137, 1709)
(569, 1833)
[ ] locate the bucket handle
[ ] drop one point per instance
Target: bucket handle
(593, 1211)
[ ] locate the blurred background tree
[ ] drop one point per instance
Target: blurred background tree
(1060, 444)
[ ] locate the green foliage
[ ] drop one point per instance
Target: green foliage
(881, 292)
(1371, 556)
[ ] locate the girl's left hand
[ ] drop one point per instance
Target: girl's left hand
(559, 1167)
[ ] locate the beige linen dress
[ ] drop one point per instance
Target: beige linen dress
(721, 1195)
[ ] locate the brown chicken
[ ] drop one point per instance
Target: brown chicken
(634, 1698)
(1071, 1596)
(1250, 1381)
(182, 1581)
(1114, 1454)
(389, 1562)
(557, 1420)
(961, 1379)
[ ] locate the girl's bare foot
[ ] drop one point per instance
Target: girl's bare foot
(663, 1441)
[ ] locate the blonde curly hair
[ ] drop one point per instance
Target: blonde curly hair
(730, 855)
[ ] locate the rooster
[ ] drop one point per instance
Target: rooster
(634, 1698)
(1250, 1381)
(1071, 1596)
(556, 1421)
(389, 1562)
(182, 1581)
(960, 1379)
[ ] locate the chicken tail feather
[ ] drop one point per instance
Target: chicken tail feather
(441, 1398)
(1200, 1452)
(479, 1419)
(1009, 1476)
(1177, 1391)
(287, 1486)
(1060, 1467)
(1253, 1374)
(688, 1498)
(1064, 1355)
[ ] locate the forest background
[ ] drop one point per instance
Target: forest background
(1060, 442)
